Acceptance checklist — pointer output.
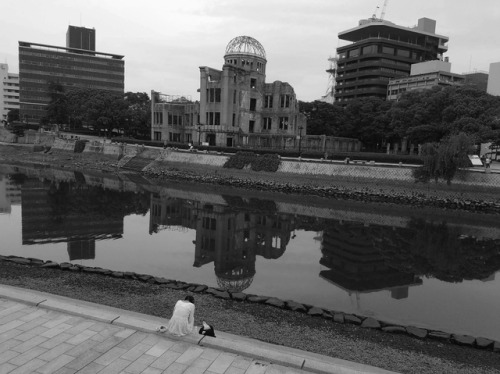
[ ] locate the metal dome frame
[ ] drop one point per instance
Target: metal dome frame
(245, 45)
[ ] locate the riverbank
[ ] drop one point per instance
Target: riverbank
(392, 351)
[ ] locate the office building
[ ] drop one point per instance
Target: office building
(494, 79)
(9, 86)
(424, 75)
(380, 50)
(41, 64)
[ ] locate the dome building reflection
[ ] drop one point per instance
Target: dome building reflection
(230, 238)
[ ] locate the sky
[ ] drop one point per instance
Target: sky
(165, 42)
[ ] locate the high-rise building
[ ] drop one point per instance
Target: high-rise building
(41, 64)
(381, 50)
(80, 38)
(494, 79)
(9, 89)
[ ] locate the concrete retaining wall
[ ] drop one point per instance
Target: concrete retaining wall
(193, 158)
(64, 145)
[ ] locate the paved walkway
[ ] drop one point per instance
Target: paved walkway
(44, 333)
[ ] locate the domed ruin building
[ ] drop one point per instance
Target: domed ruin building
(236, 103)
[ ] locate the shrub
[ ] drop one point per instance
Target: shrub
(267, 162)
(80, 146)
(240, 160)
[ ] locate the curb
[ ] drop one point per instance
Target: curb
(255, 349)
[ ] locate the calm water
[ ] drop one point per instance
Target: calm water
(428, 268)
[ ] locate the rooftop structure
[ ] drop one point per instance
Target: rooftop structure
(80, 38)
(381, 50)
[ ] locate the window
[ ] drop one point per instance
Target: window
(234, 97)
(253, 104)
(283, 123)
(354, 53)
(253, 83)
(403, 53)
(213, 118)
(213, 95)
(251, 126)
(388, 50)
(267, 123)
(285, 101)
(234, 120)
(371, 49)
(268, 101)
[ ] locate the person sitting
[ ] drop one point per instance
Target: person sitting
(182, 321)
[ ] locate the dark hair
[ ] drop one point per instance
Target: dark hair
(189, 298)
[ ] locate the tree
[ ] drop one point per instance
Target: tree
(138, 114)
(13, 115)
(443, 160)
(97, 109)
(57, 110)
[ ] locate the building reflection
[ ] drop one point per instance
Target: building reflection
(10, 193)
(228, 237)
(356, 265)
(50, 215)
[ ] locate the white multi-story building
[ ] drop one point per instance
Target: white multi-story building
(9, 88)
(494, 79)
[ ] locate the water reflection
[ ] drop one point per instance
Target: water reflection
(351, 249)
(228, 233)
(357, 265)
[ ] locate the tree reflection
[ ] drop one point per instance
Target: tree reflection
(434, 249)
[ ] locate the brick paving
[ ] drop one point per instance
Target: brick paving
(37, 340)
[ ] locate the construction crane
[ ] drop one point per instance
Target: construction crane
(382, 15)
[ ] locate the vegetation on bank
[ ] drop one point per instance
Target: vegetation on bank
(444, 160)
(265, 162)
(424, 116)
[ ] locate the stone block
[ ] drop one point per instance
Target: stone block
(416, 332)
(349, 318)
(463, 339)
(371, 323)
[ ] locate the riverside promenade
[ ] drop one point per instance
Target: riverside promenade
(45, 333)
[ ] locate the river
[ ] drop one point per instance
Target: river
(428, 268)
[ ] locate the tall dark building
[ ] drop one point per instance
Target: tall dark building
(381, 50)
(80, 38)
(41, 64)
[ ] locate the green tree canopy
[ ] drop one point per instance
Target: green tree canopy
(13, 115)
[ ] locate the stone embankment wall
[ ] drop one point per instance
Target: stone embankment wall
(353, 170)
(313, 311)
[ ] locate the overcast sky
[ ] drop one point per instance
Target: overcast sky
(165, 42)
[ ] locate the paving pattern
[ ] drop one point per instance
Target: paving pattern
(37, 340)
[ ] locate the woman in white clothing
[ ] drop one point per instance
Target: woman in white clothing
(182, 321)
